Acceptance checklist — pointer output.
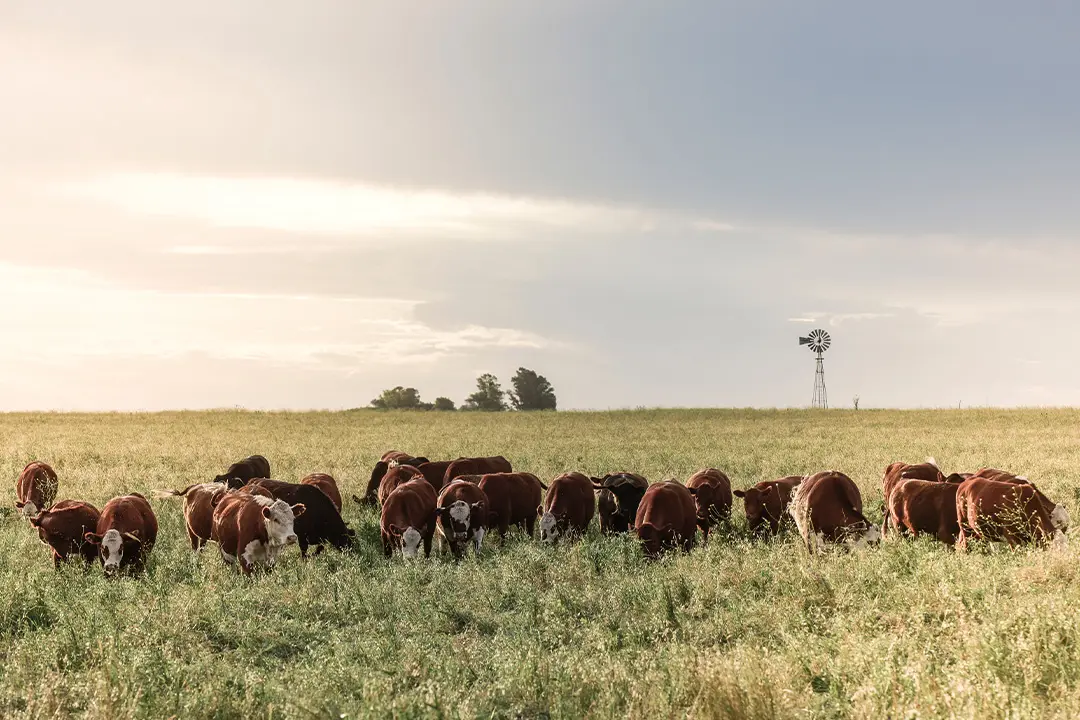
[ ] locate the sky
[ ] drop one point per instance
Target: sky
(271, 204)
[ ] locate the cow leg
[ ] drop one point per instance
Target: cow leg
(962, 540)
(303, 548)
(427, 544)
(530, 525)
(196, 541)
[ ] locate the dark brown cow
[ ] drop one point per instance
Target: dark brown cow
(921, 507)
(239, 473)
(35, 489)
(381, 467)
(766, 503)
(198, 510)
(827, 507)
(476, 466)
(327, 484)
(396, 476)
(252, 529)
(320, 522)
(512, 500)
(568, 507)
(712, 495)
(126, 533)
(626, 490)
(666, 518)
(63, 528)
(1011, 512)
(408, 517)
(462, 509)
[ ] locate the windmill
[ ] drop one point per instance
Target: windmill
(818, 341)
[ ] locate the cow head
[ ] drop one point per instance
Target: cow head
(27, 509)
(654, 539)
(550, 527)
(113, 546)
(862, 535)
(754, 507)
(409, 538)
(278, 517)
(457, 518)
(628, 492)
(230, 481)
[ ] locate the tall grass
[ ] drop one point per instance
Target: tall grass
(740, 629)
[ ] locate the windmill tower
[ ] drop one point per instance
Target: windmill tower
(818, 341)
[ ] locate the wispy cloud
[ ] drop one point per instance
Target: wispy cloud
(837, 319)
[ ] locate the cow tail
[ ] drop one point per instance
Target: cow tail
(174, 493)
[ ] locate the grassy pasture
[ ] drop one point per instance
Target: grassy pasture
(736, 630)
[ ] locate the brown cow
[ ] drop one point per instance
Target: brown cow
(126, 533)
(476, 466)
(381, 467)
(255, 466)
(918, 507)
(766, 503)
(35, 490)
(1012, 512)
(568, 507)
(512, 500)
(198, 510)
(396, 476)
(462, 509)
(327, 484)
(666, 518)
(320, 522)
(899, 472)
(712, 494)
(625, 490)
(63, 528)
(253, 529)
(408, 517)
(828, 507)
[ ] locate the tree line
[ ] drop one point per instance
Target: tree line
(530, 392)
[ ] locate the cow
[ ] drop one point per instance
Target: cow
(620, 494)
(327, 484)
(1059, 515)
(512, 500)
(924, 507)
(827, 507)
(666, 518)
(199, 502)
(568, 507)
(63, 528)
(239, 473)
(899, 472)
(712, 495)
(462, 511)
(476, 466)
(251, 529)
(35, 489)
(126, 533)
(320, 522)
(381, 467)
(766, 504)
(1013, 512)
(397, 475)
(408, 518)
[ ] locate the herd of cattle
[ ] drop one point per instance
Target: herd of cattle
(253, 518)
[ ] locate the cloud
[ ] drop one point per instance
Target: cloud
(332, 208)
(837, 319)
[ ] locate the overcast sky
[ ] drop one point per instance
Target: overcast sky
(280, 204)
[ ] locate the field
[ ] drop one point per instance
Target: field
(740, 629)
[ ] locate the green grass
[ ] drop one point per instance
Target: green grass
(736, 630)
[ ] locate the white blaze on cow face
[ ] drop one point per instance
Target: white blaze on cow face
(278, 516)
(868, 537)
(29, 509)
(112, 550)
(478, 539)
(410, 542)
(549, 528)
(1059, 518)
(460, 515)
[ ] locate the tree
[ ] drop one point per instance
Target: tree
(444, 403)
(531, 391)
(488, 395)
(398, 398)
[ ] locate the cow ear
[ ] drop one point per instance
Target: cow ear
(539, 510)
(298, 509)
(133, 537)
(395, 530)
(266, 512)
(420, 460)
(738, 493)
(20, 505)
(693, 490)
(35, 520)
(92, 538)
(476, 507)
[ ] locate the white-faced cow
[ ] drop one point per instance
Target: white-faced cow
(126, 533)
(35, 489)
(1014, 512)
(408, 519)
(827, 507)
(462, 509)
(252, 529)
(568, 507)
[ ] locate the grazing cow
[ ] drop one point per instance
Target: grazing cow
(396, 476)
(327, 484)
(239, 473)
(199, 501)
(1059, 515)
(568, 507)
(766, 503)
(390, 456)
(253, 529)
(462, 510)
(918, 507)
(666, 518)
(320, 523)
(1013, 512)
(626, 491)
(512, 500)
(35, 490)
(828, 507)
(126, 533)
(712, 494)
(476, 466)
(899, 472)
(63, 528)
(408, 517)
